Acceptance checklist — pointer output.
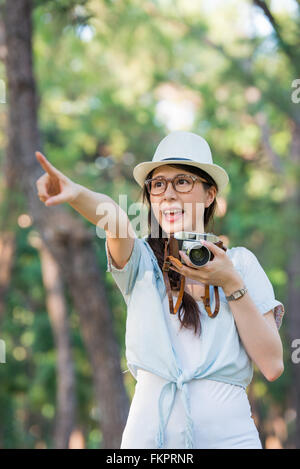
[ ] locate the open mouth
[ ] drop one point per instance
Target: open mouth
(172, 215)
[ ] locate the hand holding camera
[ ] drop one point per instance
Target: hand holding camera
(205, 260)
(192, 245)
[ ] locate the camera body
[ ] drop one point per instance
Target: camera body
(190, 243)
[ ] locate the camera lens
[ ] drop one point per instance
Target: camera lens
(199, 255)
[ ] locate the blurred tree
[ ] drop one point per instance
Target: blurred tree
(114, 78)
(66, 237)
(65, 377)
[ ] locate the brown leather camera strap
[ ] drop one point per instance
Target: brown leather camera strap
(206, 301)
(206, 298)
(173, 246)
(171, 252)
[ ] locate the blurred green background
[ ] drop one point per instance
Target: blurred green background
(113, 78)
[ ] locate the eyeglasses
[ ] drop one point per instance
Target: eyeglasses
(181, 183)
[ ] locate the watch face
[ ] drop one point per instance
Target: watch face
(237, 294)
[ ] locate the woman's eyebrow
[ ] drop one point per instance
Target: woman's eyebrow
(179, 174)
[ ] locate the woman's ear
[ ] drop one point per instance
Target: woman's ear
(210, 196)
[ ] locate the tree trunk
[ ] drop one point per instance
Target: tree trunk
(66, 237)
(56, 307)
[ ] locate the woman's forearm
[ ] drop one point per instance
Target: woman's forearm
(101, 210)
(55, 188)
(261, 341)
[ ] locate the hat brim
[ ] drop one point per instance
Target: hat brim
(218, 174)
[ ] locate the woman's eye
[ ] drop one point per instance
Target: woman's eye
(157, 184)
(182, 181)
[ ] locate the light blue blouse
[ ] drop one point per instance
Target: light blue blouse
(148, 340)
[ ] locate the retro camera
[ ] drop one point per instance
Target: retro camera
(190, 244)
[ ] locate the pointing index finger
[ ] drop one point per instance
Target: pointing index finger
(46, 165)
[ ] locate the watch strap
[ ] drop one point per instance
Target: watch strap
(237, 294)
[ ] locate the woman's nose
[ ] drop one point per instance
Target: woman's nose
(170, 191)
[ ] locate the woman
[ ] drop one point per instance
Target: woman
(192, 370)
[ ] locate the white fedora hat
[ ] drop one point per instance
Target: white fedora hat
(181, 147)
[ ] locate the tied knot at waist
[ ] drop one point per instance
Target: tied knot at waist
(167, 396)
(182, 379)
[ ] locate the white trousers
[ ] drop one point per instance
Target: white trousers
(221, 414)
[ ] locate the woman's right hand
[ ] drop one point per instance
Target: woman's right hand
(53, 186)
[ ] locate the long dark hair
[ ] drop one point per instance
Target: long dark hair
(188, 313)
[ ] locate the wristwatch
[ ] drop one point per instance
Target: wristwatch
(237, 294)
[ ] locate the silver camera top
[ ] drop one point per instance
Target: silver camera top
(193, 236)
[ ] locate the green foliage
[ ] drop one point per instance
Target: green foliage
(103, 68)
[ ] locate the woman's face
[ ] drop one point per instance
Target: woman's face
(191, 204)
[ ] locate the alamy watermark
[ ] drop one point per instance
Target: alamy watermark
(295, 97)
(114, 217)
(2, 351)
(2, 92)
(296, 353)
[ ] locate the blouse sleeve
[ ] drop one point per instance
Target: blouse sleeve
(125, 278)
(260, 287)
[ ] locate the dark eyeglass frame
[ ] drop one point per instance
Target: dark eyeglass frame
(167, 180)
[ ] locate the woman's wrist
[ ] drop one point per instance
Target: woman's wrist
(234, 283)
(78, 189)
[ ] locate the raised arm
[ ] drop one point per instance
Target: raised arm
(55, 188)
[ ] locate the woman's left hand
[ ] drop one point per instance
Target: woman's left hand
(219, 272)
